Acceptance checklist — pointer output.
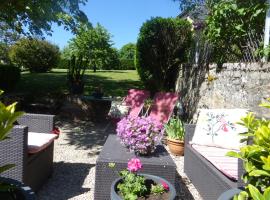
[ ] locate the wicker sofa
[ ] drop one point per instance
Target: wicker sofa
(208, 180)
(31, 169)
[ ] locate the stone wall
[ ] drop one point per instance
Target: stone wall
(234, 86)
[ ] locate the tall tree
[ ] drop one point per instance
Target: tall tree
(93, 43)
(33, 17)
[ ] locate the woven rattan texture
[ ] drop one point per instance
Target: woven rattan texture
(209, 181)
(32, 169)
(159, 164)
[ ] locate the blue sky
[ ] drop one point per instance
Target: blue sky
(122, 18)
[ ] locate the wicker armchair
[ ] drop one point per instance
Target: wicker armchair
(31, 169)
(209, 181)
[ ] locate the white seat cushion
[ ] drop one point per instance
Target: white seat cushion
(118, 110)
(39, 141)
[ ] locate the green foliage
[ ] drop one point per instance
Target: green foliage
(8, 116)
(38, 16)
(35, 55)
(94, 44)
(112, 60)
(127, 56)
(9, 76)
(161, 48)
(175, 129)
(228, 24)
(157, 189)
(256, 157)
(133, 185)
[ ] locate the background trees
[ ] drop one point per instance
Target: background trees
(34, 54)
(94, 44)
(127, 56)
(161, 48)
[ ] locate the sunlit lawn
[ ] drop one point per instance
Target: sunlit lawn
(113, 82)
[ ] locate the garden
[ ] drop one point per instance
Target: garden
(183, 113)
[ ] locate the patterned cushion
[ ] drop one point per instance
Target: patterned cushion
(217, 156)
(118, 110)
(39, 141)
(219, 128)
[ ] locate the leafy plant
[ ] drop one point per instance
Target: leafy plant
(133, 185)
(256, 157)
(175, 129)
(229, 23)
(76, 70)
(8, 116)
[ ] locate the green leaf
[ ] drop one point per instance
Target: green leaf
(266, 193)
(258, 173)
(6, 167)
(255, 193)
(233, 154)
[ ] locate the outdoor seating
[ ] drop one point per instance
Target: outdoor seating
(131, 105)
(163, 106)
(33, 163)
(208, 167)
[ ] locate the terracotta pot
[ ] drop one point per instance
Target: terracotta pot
(176, 146)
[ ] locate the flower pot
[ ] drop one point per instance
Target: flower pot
(229, 194)
(176, 146)
(21, 191)
(156, 179)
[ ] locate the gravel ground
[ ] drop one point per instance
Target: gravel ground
(75, 155)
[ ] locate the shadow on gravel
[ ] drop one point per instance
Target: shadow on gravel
(66, 182)
(87, 135)
(182, 190)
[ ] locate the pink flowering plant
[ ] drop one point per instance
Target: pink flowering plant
(140, 134)
(133, 185)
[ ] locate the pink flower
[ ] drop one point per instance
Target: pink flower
(165, 186)
(134, 165)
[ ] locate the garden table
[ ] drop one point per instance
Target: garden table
(159, 164)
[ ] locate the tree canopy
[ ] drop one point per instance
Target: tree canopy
(93, 44)
(33, 17)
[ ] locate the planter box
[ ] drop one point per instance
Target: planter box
(159, 164)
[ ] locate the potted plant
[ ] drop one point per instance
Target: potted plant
(76, 70)
(175, 136)
(10, 189)
(140, 134)
(134, 186)
(256, 158)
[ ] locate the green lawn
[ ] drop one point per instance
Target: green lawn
(113, 82)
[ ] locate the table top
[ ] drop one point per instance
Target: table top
(91, 98)
(114, 151)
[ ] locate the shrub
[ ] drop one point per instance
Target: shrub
(161, 48)
(9, 76)
(34, 54)
(256, 157)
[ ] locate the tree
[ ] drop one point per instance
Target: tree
(161, 48)
(7, 38)
(127, 56)
(93, 43)
(34, 54)
(33, 17)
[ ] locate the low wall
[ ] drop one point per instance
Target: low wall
(234, 86)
